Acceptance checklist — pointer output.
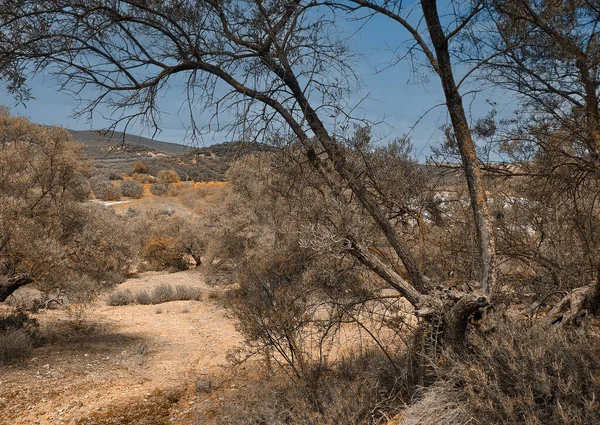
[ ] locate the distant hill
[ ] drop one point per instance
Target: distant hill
(115, 154)
(96, 144)
(233, 150)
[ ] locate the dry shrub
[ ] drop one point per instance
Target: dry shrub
(132, 189)
(167, 177)
(163, 293)
(174, 191)
(105, 190)
(17, 331)
(159, 189)
(163, 253)
(440, 404)
(143, 297)
(532, 375)
(140, 168)
(14, 345)
(152, 409)
(184, 293)
(120, 298)
(113, 176)
(142, 178)
(367, 395)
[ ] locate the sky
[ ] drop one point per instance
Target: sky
(392, 96)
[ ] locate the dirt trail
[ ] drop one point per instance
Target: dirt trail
(121, 365)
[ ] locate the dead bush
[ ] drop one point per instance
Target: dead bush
(121, 298)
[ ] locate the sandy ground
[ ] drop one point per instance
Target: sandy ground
(137, 364)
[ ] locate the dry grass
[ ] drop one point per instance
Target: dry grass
(160, 294)
(440, 404)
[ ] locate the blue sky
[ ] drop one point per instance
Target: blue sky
(393, 96)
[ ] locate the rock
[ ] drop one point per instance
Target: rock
(189, 260)
(27, 297)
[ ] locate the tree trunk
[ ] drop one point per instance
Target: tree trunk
(12, 284)
(576, 305)
(479, 205)
(457, 318)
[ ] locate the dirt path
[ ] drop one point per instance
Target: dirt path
(137, 364)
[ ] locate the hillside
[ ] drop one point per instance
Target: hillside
(115, 154)
(97, 145)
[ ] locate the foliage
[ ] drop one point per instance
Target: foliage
(142, 178)
(120, 298)
(160, 294)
